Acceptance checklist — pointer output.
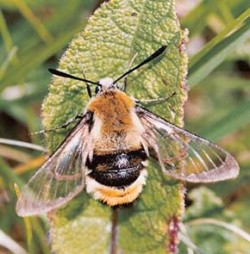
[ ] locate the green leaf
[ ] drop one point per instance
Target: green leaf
(117, 32)
(215, 51)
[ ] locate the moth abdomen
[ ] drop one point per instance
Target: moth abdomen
(117, 170)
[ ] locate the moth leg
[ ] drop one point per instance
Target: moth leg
(65, 125)
(151, 102)
(125, 84)
(88, 86)
(71, 120)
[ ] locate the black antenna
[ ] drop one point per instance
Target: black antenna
(148, 59)
(66, 75)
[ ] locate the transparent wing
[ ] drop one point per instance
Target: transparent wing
(186, 156)
(60, 178)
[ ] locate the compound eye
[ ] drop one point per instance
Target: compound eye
(98, 89)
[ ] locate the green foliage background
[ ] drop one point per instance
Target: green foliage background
(34, 35)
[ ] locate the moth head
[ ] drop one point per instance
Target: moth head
(105, 84)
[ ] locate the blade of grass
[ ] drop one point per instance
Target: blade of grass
(21, 111)
(34, 21)
(31, 165)
(235, 119)
(27, 222)
(206, 8)
(225, 12)
(33, 224)
(233, 26)
(8, 175)
(22, 144)
(41, 234)
(30, 44)
(14, 154)
(41, 53)
(11, 56)
(236, 230)
(191, 247)
(185, 239)
(7, 40)
(215, 51)
(17, 112)
(198, 13)
(10, 244)
(232, 81)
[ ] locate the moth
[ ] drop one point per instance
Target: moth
(107, 151)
